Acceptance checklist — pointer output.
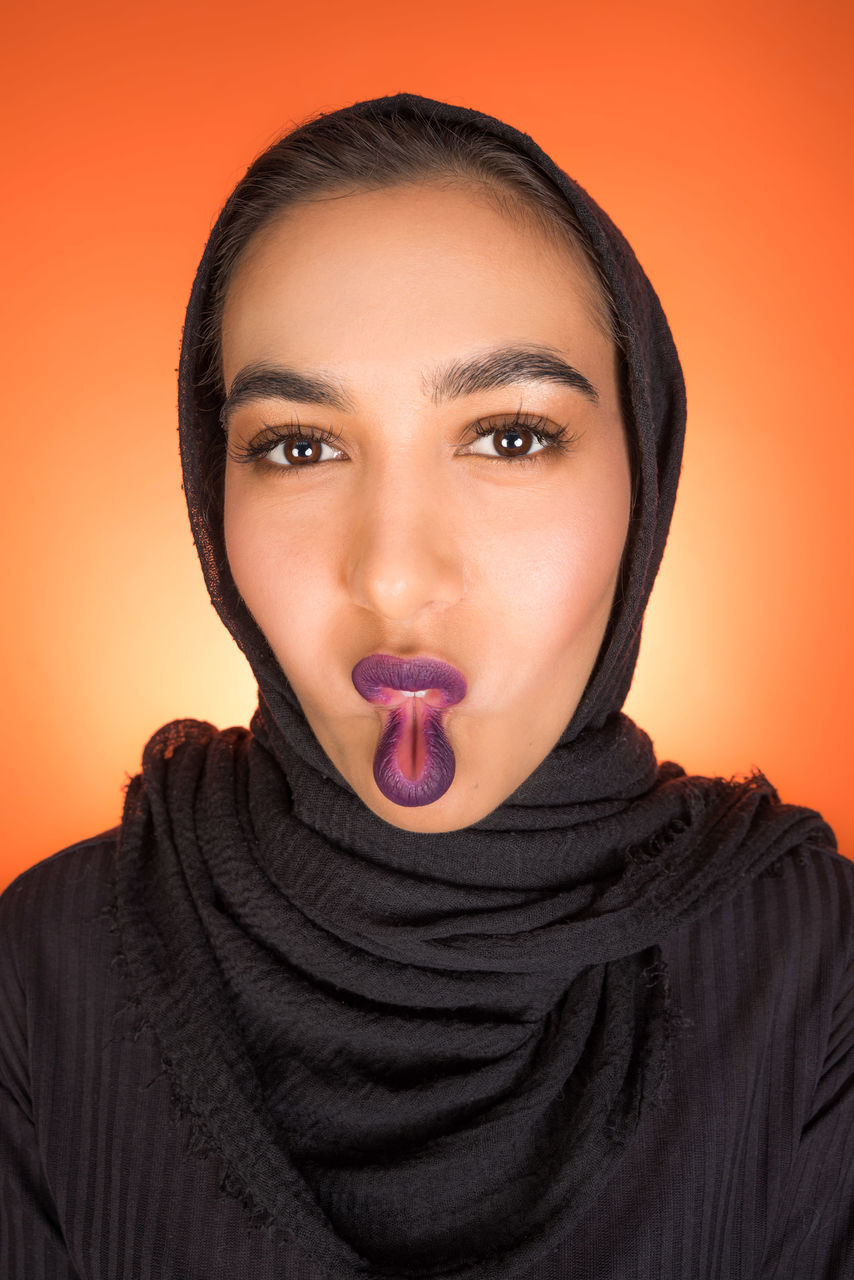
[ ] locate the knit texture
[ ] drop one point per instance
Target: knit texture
(743, 1171)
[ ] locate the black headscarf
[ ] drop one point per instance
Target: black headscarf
(423, 1054)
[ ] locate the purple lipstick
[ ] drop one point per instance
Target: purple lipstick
(414, 761)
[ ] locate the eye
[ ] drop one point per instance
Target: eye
(288, 448)
(301, 450)
(522, 439)
(510, 442)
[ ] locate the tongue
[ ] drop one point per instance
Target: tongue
(414, 760)
(412, 749)
(402, 697)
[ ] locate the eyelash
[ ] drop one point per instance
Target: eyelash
(554, 441)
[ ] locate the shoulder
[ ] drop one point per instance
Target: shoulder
(81, 870)
(796, 914)
(798, 919)
(768, 975)
(809, 893)
(56, 948)
(54, 905)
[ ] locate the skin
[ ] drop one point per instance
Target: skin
(411, 535)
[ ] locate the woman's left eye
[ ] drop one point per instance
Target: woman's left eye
(520, 440)
(510, 442)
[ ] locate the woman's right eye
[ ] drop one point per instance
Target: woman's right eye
(300, 451)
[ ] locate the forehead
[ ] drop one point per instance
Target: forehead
(409, 274)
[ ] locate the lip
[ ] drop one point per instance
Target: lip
(382, 675)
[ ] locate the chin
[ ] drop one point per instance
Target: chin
(458, 808)
(425, 820)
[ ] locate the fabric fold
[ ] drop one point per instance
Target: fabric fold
(416, 1076)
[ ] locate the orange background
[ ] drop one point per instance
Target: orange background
(718, 138)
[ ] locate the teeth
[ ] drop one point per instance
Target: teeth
(419, 693)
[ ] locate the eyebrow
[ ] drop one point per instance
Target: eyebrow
(500, 367)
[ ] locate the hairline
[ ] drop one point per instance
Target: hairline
(500, 196)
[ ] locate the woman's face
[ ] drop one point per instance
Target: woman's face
(433, 336)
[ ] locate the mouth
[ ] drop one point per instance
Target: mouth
(414, 761)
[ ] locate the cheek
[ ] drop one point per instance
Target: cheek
(558, 577)
(281, 567)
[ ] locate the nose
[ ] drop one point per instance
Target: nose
(405, 545)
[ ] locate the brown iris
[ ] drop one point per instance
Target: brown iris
(519, 441)
(302, 450)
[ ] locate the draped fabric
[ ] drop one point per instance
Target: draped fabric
(423, 1054)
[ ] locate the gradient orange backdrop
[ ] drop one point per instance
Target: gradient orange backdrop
(717, 137)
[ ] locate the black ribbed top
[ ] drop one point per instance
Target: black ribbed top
(746, 1170)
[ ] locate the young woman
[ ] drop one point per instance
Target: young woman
(434, 971)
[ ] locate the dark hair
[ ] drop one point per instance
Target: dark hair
(340, 154)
